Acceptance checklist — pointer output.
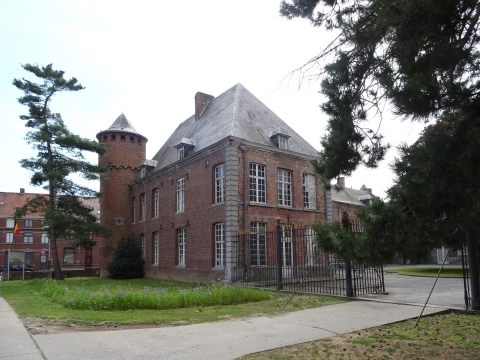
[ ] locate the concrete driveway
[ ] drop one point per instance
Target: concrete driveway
(448, 292)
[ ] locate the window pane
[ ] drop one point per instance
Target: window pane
(284, 187)
(69, 256)
(28, 238)
(257, 183)
(9, 238)
(219, 244)
(220, 184)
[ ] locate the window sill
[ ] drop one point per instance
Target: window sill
(218, 267)
(284, 206)
(180, 212)
(219, 203)
(180, 267)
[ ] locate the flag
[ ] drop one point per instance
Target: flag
(16, 230)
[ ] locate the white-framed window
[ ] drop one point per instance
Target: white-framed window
(180, 152)
(258, 249)
(69, 256)
(312, 253)
(220, 184)
(465, 251)
(142, 239)
(257, 183)
(181, 246)
(143, 172)
(155, 203)
(180, 195)
(10, 223)
(143, 209)
(28, 238)
(28, 223)
(155, 248)
(9, 238)
(134, 210)
(284, 187)
(44, 238)
(219, 244)
(309, 192)
(282, 142)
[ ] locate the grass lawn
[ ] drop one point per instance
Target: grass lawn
(26, 299)
(447, 271)
(441, 337)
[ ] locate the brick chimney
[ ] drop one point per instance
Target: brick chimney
(201, 101)
(341, 182)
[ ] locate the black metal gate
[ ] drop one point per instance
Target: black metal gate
(302, 266)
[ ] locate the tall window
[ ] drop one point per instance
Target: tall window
(155, 248)
(9, 238)
(143, 210)
(284, 187)
(44, 239)
(257, 183)
(134, 210)
(181, 247)
(219, 244)
(155, 203)
(309, 192)
(142, 238)
(10, 223)
(180, 195)
(287, 253)
(220, 184)
(28, 238)
(258, 251)
(28, 223)
(69, 255)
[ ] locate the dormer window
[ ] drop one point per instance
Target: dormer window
(280, 138)
(282, 142)
(184, 147)
(147, 167)
(180, 152)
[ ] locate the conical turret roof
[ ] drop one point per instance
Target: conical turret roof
(123, 125)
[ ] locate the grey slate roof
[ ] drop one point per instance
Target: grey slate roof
(121, 124)
(237, 113)
(350, 196)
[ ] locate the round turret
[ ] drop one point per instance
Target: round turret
(126, 150)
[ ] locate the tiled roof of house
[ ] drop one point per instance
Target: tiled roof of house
(237, 113)
(9, 201)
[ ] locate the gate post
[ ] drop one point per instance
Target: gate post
(348, 263)
(278, 231)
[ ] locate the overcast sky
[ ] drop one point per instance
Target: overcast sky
(148, 58)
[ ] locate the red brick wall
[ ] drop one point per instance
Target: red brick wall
(198, 218)
(267, 213)
(339, 208)
(33, 249)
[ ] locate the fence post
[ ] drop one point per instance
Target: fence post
(348, 264)
(278, 230)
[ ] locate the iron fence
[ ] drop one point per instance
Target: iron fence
(299, 265)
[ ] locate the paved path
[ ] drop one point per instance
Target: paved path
(15, 342)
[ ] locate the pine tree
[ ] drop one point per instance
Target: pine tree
(422, 58)
(59, 154)
(127, 260)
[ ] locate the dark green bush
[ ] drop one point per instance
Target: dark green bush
(127, 260)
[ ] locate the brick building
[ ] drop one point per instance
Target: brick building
(348, 200)
(34, 240)
(232, 167)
